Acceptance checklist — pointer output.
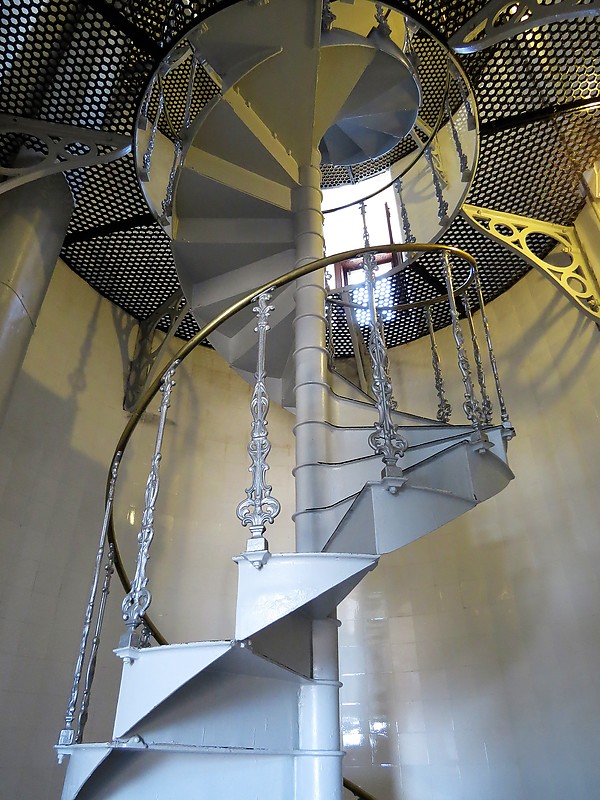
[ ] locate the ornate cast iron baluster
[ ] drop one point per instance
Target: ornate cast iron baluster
(109, 568)
(465, 173)
(385, 440)
(190, 91)
(259, 507)
(470, 405)
(167, 203)
(146, 103)
(406, 230)
(383, 26)
(501, 403)
(330, 337)
(471, 123)
(147, 157)
(67, 735)
(444, 408)
(328, 17)
(137, 601)
(486, 403)
(437, 185)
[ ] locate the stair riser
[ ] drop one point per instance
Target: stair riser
(336, 481)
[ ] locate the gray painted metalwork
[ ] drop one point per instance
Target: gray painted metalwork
(190, 91)
(260, 506)
(499, 20)
(462, 88)
(465, 172)
(143, 118)
(383, 26)
(501, 402)
(60, 142)
(330, 336)
(136, 602)
(147, 157)
(486, 403)
(406, 230)
(68, 734)
(444, 408)
(90, 672)
(470, 405)
(146, 360)
(328, 17)
(167, 203)
(386, 439)
(437, 185)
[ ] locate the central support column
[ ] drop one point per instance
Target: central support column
(310, 353)
(319, 770)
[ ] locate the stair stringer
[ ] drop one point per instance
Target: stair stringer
(190, 704)
(310, 582)
(393, 512)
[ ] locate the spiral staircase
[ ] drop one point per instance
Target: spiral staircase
(256, 716)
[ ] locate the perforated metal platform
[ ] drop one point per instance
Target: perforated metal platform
(87, 64)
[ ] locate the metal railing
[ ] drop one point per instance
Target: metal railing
(259, 507)
(425, 141)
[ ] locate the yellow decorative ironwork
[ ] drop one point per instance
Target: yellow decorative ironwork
(567, 266)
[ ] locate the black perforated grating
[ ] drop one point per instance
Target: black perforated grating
(87, 63)
(104, 194)
(548, 66)
(535, 170)
(175, 87)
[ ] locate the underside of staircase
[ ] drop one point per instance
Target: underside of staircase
(256, 717)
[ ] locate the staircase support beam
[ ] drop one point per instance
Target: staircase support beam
(318, 776)
(568, 266)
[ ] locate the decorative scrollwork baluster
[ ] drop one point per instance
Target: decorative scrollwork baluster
(444, 408)
(471, 122)
(260, 506)
(139, 597)
(328, 17)
(109, 568)
(330, 336)
(383, 26)
(486, 403)
(146, 103)
(68, 735)
(147, 157)
(386, 439)
(190, 90)
(465, 173)
(437, 185)
(501, 402)
(470, 405)
(406, 229)
(167, 203)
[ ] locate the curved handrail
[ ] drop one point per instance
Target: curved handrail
(211, 326)
(357, 791)
(439, 298)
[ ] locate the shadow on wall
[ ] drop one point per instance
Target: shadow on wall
(555, 315)
(51, 508)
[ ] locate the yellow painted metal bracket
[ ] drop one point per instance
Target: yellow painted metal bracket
(567, 266)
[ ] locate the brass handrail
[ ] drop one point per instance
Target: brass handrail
(211, 326)
(357, 791)
(439, 298)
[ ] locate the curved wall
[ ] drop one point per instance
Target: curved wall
(469, 658)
